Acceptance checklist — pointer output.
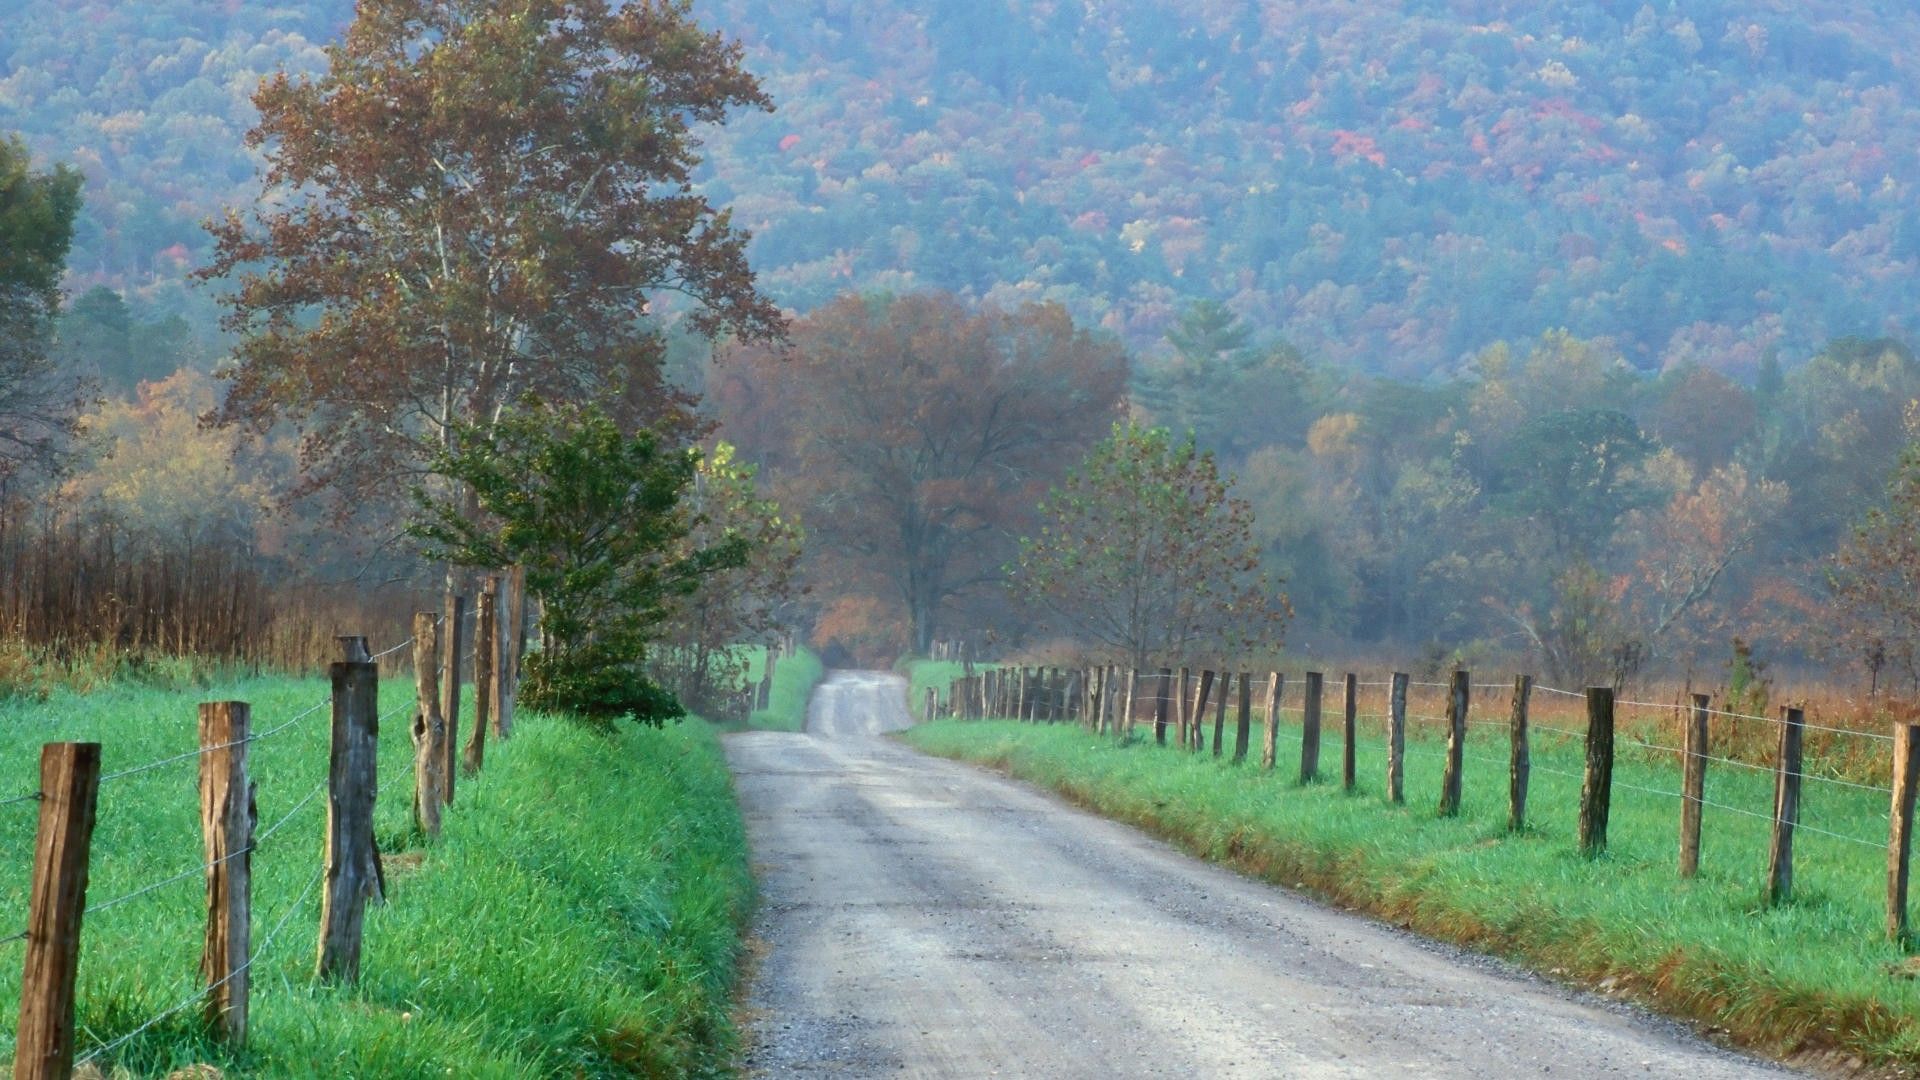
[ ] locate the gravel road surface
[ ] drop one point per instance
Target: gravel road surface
(924, 918)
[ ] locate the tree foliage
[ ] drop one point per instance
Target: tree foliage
(919, 433)
(473, 204)
(599, 520)
(1875, 578)
(37, 405)
(1143, 550)
(699, 656)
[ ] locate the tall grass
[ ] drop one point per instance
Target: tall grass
(578, 917)
(1814, 976)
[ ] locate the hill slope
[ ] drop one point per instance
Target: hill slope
(1389, 184)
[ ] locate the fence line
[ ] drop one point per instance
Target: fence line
(1051, 694)
(355, 707)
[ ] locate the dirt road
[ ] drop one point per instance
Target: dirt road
(923, 918)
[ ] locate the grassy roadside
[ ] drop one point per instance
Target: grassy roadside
(1814, 979)
(580, 915)
(793, 681)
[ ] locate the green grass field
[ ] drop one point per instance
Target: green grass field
(579, 916)
(1816, 976)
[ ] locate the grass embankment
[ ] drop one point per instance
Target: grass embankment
(1814, 977)
(793, 681)
(579, 916)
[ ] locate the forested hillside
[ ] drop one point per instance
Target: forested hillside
(1387, 185)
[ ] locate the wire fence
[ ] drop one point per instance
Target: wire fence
(1628, 741)
(387, 784)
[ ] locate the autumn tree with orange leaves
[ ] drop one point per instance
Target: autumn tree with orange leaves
(477, 204)
(918, 435)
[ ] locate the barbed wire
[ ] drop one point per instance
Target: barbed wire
(31, 796)
(200, 870)
(200, 993)
(200, 751)
(391, 650)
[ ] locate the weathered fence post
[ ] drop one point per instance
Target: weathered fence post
(1351, 748)
(1270, 744)
(226, 829)
(1519, 755)
(505, 632)
(1786, 807)
(69, 785)
(1906, 777)
(1243, 725)
(486, 653)
(429, 729)
(1181, 708)
(1693, 786)
(1220, 711)
(1203, 693)
(1397, 739)
(1125, 731)
(452, 641)
(1450, 782)
(1596, 790)
(1310, 729)
(352, 866)
(1160, 705)
(1097, 719)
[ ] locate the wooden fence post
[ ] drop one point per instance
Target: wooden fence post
(1310, 730)
(1906, 777)
(352, 866)
(429, 728)
(503, 675)
(69, 786)
(453, 641)
(1220, 712)
(1450, 782)
(1182, 706)
(1351, 719)
(1243, 726)
(1786, 807)
(486, 653)
(933, 702)
(1160, 706)
(1397, 739)
(227, 819)
(1197, 721)
(1596, 790)
(1270, 743)
(1097, 719)
(1125, 730)
(1519, 755)
(1693, 786)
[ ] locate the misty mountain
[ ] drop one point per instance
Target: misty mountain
(1389, 185)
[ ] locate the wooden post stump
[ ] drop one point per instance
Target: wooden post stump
(1270, 742)
(352, 865)
(1693, 786)
(453, 635)
(1786, 807)
(227, 819)
(1397, 739)
(1450, 782)
(486, 653)
(429, 729)
(1243, 726)
(1351, 719)
(1906, 778)
(1160, 706)
(1519, 755)
(69, 787)
(1596, 789)
(1310, 730)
